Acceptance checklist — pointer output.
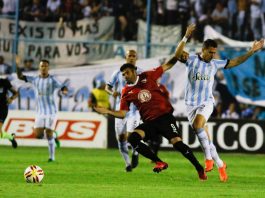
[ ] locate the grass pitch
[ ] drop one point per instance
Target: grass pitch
(101, 173)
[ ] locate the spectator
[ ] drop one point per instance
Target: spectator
(120, 9)
(231, 112)
(70, 11)
(220, 18)
(28, 65)
(200, 17)
(9, 7)
(263, 17)
(4, 68)
(242, 7)
(1, 6)
(171, 12)
(99, 97)
(259, 113)
(183, 8)
(255, 15)
(232, 11)
(246, 111)
(35, 12)
(160, 12)
(53, 10)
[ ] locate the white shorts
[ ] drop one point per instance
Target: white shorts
(128, 124)
(205, 109)
(47, 122)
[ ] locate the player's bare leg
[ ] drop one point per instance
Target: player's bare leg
(198, 126)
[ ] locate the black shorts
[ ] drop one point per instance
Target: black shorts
(3, 113)
(164, 125)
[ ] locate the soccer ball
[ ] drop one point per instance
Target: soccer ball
(33, 174)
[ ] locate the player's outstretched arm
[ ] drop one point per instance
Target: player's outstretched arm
(116, 114)
(108, 89)
(169, 64)
(18, 71)
(257, 45)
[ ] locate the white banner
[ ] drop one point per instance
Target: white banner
(211, 33)
(61, 45)
(170, 35)
(80, 82)
(75, 129)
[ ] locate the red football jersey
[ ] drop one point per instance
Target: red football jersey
(146, 95)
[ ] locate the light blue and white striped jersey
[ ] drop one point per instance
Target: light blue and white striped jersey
(44, 90)
(117, 82)
(200, 79)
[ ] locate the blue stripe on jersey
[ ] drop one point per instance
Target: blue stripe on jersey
(201, 82)
(208, 84)
(49, 103)
(189, 76)
(196, 65)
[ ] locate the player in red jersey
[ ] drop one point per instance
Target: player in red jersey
(155, 110)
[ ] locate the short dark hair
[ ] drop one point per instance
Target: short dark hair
(209, 43)
(127, 65)
(45, 61)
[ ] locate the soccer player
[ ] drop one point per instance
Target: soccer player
(155, 109)
(125, 126)
(5, 100)
(45, 86)
(199, 99)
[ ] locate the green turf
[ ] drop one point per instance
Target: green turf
(100, 173)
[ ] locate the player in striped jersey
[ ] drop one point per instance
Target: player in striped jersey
(45, 86)
(132, 120)
(199, 99)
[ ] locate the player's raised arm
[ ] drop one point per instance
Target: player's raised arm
(116, 114)
(19, 72)
(169, 64)
(257, 45)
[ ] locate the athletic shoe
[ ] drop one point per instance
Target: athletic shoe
(135, 160)
(57, 141)
(50, 160)
(160, 166)
(222, 173)
(13, 141)
(202, 175)
(209, 165)
(128, 168)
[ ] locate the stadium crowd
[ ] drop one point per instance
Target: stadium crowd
(244, 18)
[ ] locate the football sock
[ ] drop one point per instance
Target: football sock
(123, 147)
(154, 146)
(6, 135)
(51, 146)
(140, 147)
(187, 153)
(55, 134)
(134, 152)
(204, 140)
(215, 156)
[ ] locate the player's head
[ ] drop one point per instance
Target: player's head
(128, 71)
(44, 67)
(131, 57)
(209, 50)
(184, 57)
